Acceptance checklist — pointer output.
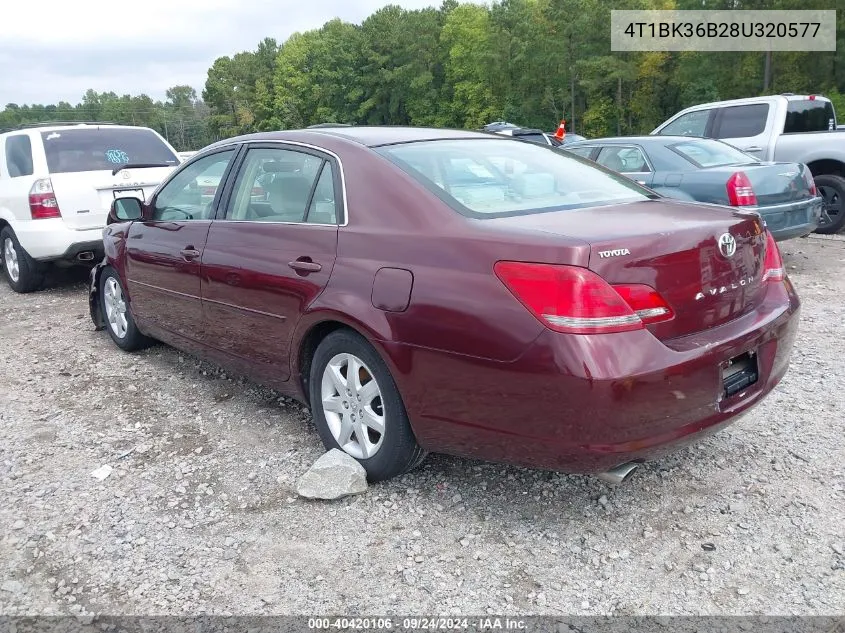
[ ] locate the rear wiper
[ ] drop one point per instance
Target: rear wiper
(138, 166)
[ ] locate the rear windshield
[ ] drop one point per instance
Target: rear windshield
(708, 153)
(809, 116)
(486, 178)
(103, 148)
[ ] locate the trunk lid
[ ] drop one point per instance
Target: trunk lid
(85, 197)
(672, 246)
(773, 183)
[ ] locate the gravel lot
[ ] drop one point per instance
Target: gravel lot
(199, 514)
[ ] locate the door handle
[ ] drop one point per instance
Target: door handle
(305, 266)
(753, 148)
(189, 253)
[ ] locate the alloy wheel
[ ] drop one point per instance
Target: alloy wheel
(115, 307)
(353, 406)
(10, 255)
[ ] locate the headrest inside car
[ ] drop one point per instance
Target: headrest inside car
(280, 166)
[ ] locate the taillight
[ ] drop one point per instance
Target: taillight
(42, 200)
(811, 184)
(773, 264)
(575, 300)
(645, 301)
(740, 191)
(257, 191)
(209, 191)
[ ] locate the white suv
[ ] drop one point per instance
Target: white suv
(57, 182)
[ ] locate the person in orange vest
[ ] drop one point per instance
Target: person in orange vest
(561, 130)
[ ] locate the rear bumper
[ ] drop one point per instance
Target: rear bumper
(51, 240)
(792, 220)
(590, 403)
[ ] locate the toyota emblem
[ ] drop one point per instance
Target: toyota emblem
(727, 245)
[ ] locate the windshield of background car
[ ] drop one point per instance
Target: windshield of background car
(103, 148)
(711, 153)
(486, 178)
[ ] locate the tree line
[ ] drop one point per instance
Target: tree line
(533, 62)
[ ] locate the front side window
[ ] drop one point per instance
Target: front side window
(283, 185)
(707, 153)
(743, 121)
(190, 195)
(689, 124)
(623, 159)
(95, 149)
(19, 155)
(584, 152)
(483, 178)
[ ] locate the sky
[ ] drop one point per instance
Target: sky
(54, 50)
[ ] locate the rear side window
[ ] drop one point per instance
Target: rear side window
(742, 121)
(707, 153)
(103, 148)
(483, 178)
(19, 155)
(809, 116)
(689, 124)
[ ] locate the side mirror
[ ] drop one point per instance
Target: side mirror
(125, 210)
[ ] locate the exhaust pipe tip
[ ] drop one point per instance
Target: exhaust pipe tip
(85, 256)
(619, 474)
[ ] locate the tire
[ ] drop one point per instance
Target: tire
(23, 273)
(383, 454)
(832, 189)
(116, 313)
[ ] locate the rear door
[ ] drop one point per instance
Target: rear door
(744, 127)
(270, 255)
(163, 254)
(81, 162)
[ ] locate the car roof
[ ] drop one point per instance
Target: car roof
(653, 139)
(369, 136)
(47, 126)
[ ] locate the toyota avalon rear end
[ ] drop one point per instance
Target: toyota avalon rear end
(657, 322)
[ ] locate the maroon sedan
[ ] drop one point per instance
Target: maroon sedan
(437, 290)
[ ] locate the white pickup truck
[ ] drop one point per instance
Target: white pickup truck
(789, 128)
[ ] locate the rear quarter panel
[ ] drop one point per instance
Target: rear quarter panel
(457, 304)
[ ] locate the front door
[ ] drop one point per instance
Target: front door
(269, 257)
(163, 254)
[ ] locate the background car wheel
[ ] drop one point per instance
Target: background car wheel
(832, 189)
(358, 409)
(23, 273)
(116, 314)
